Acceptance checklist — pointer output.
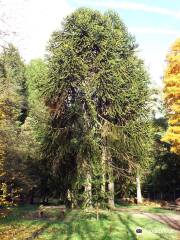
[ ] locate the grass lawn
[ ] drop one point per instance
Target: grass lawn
(151, 209)
(21, 224)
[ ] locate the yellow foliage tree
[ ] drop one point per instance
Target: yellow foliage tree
(172, 97)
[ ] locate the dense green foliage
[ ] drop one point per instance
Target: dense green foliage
(77, 126)
(97, 95)
(35, 128)
(13, 111)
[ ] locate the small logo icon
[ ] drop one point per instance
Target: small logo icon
(138, 230)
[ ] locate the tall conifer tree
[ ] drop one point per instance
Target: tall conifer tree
(97, 95)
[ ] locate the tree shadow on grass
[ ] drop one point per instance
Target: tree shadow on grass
(18, 223)
(84, 226)
(130, 234)
(104, 229)
(170, 221)
(38, 232)
(17, 214)
(163, 236)
(79, 229)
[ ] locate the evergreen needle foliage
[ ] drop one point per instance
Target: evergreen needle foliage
(97, 94)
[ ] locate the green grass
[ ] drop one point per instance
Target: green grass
(146, 208)
(22, 224)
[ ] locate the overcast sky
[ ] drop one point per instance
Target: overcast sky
(155, 24)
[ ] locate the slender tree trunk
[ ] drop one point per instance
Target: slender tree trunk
(73, 197)
(106, 161)
(138, 186)
(97, 211)
(106, 157)
(110, 183)
(103, 186)
(88, 190)
(111, 193)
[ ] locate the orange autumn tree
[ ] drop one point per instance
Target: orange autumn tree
(172, 97)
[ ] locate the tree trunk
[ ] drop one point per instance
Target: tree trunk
(106, 160)
(107, 167)
(111, 193)
(104, 156)
(138, 185)
(110, 182)
(88, 191)
(97, 211)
